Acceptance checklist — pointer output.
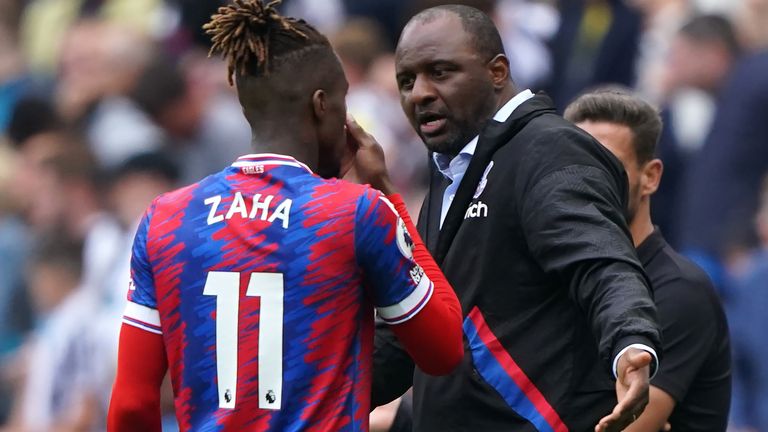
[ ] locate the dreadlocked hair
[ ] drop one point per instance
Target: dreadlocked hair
(250, 35)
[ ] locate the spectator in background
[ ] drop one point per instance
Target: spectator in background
(14, 315)
(98, 67)
(192, 15)
(328, 15)
(57, 391)
(702, 56)
(73, 185)
(13, 251)
(751, 19)
(13, 80)
(596, 42)
(525, 27)
(132, 187)
(693, 386)
(718, 198)
(661, 21)
(201, 129)
(61, 184)
(45, 23)
(31, 115)
(21, 161)
(746, 306)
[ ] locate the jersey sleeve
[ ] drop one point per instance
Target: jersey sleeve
(141, 309)
(384, 249)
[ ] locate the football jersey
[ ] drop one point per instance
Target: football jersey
(262, 280)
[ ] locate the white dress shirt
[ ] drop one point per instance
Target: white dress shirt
(454, 169)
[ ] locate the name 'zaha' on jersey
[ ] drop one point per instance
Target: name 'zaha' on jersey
(259, 208)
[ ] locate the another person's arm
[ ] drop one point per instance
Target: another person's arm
(392, 367)
(142, 363)
(574, 224)
(433, 336)
(409, 290)
(691, 329)
(575, 228)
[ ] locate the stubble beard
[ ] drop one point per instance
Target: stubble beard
(453, 142)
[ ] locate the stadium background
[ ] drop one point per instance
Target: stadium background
(106, 103)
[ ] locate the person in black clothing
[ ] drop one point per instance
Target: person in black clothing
(525, 215)
(692, 389)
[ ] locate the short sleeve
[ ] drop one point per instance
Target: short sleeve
(141, 309)
(384, 250)
(689, 329)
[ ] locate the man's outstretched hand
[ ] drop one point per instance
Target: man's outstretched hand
(632, 387)
(368, 165)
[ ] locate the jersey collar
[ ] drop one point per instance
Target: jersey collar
(256, 160)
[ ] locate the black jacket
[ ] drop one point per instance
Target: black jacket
(540, 256)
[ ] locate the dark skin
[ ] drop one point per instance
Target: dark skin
(449, 91)
(303, 118)
(303, 114)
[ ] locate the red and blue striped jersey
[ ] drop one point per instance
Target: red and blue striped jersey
(262, 280)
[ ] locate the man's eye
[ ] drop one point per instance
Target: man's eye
(439, 73)
(406, 83)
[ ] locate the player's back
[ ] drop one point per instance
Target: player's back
(261, 306)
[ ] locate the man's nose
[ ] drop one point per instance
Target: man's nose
(423, 92)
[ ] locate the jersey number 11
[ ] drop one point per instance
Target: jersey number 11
(226, 287)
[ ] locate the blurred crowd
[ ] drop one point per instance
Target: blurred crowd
(105, 104)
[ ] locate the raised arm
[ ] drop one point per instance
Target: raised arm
(410, 292)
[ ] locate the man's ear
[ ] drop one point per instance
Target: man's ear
(319, 103)
(498, 67)
(651, 177)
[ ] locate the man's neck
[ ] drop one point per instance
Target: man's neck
(292, 146)
(642, 226)
(507, 93)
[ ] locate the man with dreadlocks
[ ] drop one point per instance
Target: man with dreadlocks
(256, 286)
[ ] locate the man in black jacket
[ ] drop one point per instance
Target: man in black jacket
(525, 216)
(692, 390)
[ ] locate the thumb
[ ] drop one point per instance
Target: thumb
(639, 358)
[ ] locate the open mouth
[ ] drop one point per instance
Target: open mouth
(431, 123)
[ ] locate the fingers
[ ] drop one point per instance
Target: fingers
(631, 404)
(617, 420)
(355, 130)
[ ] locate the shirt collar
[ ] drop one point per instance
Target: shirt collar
(250, 162)
(650, 246)
(444, 161)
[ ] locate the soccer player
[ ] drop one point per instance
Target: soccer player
(256, 286)
(692, 389)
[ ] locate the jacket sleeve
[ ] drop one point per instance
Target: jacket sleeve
(574, 224)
